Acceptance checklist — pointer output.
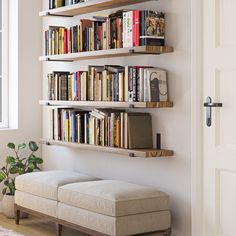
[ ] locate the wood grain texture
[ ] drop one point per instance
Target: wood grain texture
(144, 153)
(98, 104)
(89, 7)
(118, 52)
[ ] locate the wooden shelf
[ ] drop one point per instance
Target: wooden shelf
(106, 104)
(144, 153)
(119, 52)
(89, 7)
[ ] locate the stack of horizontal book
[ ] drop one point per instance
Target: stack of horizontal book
(118, 30)
(109, 83)
(110, 128)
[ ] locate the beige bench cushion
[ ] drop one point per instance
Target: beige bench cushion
(113, 198)
(46, 206)
(46, 183)
(125, 225)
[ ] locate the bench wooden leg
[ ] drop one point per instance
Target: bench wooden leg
(17, 215)
(58, 229)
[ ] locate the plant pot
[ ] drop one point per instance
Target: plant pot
(8, 202)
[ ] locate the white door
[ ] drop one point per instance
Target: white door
(219, 140)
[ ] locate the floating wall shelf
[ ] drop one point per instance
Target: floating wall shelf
(98, 104)
(118, 52)
(88, 7)
(144, 153)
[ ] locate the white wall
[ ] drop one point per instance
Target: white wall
(170, 175)
(25, 75)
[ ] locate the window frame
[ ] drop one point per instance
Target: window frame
(5, 64)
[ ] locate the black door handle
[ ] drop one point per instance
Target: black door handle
(213, 104)
(209, 104)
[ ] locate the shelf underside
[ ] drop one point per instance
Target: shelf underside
(119, 52)
(144, 153)
(99, 104)
(89, 7)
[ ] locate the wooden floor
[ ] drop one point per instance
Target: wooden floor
(35, 227)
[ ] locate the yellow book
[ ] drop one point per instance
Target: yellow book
(62, 40)
(67, 127)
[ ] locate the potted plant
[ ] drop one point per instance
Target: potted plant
(15, 165)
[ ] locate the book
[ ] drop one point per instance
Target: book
(152, 28)
(156, 84)
(140, 130)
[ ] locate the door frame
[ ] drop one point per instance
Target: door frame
(196, 117)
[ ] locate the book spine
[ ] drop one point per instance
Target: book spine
(136, 28)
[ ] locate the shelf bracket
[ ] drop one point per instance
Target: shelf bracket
(131, 105)
(131, 155)
(132, 51)
(47, 104)
(58, 60)
(56, 15)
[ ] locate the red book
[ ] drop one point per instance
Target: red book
(68, 40)
(78, 86)
(65, 42)
(136, 28)
(59, 124)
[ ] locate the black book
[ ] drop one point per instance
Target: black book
(152, 28)
(75, 39)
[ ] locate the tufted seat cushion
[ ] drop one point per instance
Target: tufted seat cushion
(46, 183)
(113, 198)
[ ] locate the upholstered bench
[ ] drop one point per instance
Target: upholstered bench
(104, 207)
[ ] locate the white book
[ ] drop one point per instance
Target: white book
(125, 29)
(141, 84)
(126, 84)
(129, 38)
(156, 85)
(121, 87)
(104, 85)
(145, 83)
(55, 116)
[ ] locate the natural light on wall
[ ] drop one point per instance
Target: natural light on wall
(4, 64)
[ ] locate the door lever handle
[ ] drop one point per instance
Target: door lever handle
(209, 104)
(213, 104)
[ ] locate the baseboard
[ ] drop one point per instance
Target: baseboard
(0, 206)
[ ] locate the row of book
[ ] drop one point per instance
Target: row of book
(110, 83)
(118, 30)
(110, 128)
(61, 3)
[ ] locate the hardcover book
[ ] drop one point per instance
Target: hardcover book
(152, 28)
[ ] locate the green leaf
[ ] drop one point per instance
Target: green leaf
(13, 170)
(39, 160)
(6, 182)
(2, 176)
(4, 191)
(21, 146)
(32, 166)
(33, 146)
(10, 160)
(11, 145)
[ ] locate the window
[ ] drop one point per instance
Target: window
(4, 63)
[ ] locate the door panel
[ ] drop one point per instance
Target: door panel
(225, 27)
(219, 140)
